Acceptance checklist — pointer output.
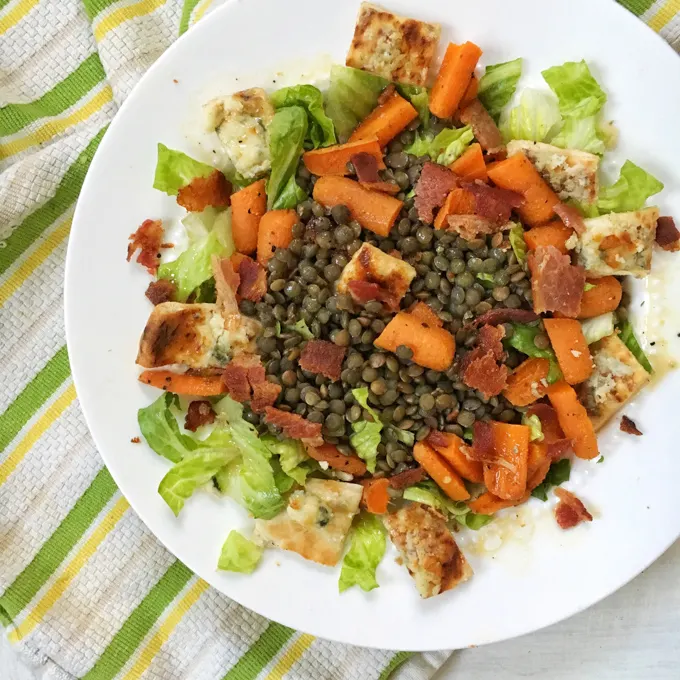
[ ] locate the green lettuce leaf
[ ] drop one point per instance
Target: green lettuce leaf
(420, 98)
(287, 133)
(522, 339)
(160, 429)
(516, 238)
(474, 520)
(450, 143)
(580, 133)
(598, 327)
(367, 547)
(558, 473)
(199, 224)
(239, 554)
(578, 93)
(320, 126)
(365, 436)
(352, 95)
(420, 145)
(535, 427)
(293, 458)
(193, 266)
(498, 85)
(185, 477)
(403, 436)
(429, 493)
(627, 336)
(174, 170)
(537, 117)
(630, 191)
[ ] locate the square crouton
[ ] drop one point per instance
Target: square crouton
(618, 243)
(570, 172)
(316, 522)
(616, 378)
(394, 47)
(428, 549)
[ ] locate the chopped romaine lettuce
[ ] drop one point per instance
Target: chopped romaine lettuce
(174, 170)
(367, 547)
(239, 554)
(474, 520)
(519, 246)
(404, 436)
(558, 473)
(199, 225)
(352, 95)
(293, 458)
(522, 339)
(535, 427)
(627, 336)
(536, 118)
(193, 266)
(196, 470)
(450, 143)
(598, 327)
(420, 145)
(578, 93)
(580, 133)
(320, 126)
(630, 191)
(287, 133)
(365, 436)
(160, 429)
(420, 98)
(498, 84)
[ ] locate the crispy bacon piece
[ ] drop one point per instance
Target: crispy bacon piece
(482, 448)
(161, 291)
(265, 394)
(227, 282)
(324, 357)
(571, 217)
(202, 192)
(432, 188)
(472, 226)
(629, 427)
(246, 380)
(495, 317)
(294, 426)
(483, 125)
(480, 368)
(199, 413)
(252, 279)
(407, 478)
(386, 94)
(365, 167)
(557, 284)
(236, 381)
(570, 511)
(559, 448)
(667, 234)
(493, 203)
(148, 239)
(437, 439)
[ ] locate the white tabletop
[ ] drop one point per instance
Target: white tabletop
(632, 635)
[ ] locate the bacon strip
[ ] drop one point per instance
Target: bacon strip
(480, 368)
(365, 167)
(557, 285)
(199, 413)
(483, 126)
(246, 380)
(571, 217)
(667, 234)
(202, 192)
(629, 427)
(148, 239)
(493, 203)
(294, 426)
(253, 279)
(559, 448)
(227, 282)
(482, 449)
(499, 315)
(472, 226)
(324, 357)
(407, 478)
(161, 291)
(570, 511)
(432, 188)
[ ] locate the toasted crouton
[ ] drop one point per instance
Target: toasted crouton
(316, 522)
(394, 47)
(618, 243)
(570, 172)
(371, 264)
(616, 378)
(240, 121)
(428, 549)
(190, 334)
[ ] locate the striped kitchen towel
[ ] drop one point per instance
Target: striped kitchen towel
(85, 589)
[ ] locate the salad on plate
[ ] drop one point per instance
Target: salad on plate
(402, 305)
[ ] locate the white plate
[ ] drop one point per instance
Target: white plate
(541, 575)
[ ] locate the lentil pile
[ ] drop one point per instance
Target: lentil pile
(458, 279)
